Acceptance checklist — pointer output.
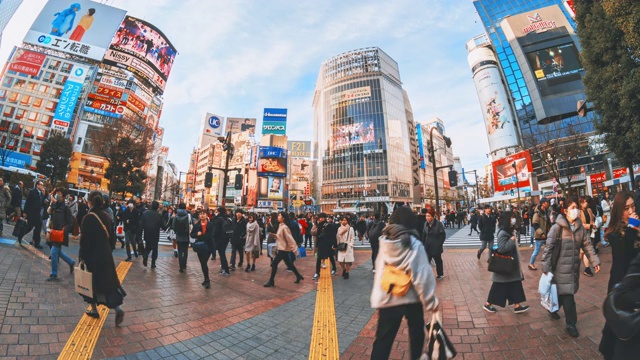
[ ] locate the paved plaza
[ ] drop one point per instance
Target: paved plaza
(170, 315)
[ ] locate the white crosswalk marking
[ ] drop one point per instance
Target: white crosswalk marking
(460, 238)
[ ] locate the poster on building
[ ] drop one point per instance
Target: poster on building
(275, 190)
(272, 161)
(299, 148)
(79, 27)
(236, 125)
(69, 98)
(350, 96)
(252, 188)
(300, 170)
(27, 62)
(212, 125)
(506, 177)
(353, 134)
(242, 149)
(143, 49)
(274, 121)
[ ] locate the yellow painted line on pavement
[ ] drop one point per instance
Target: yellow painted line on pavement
(83, 340)
(324, 335)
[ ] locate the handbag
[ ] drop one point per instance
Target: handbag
(83, 280)
(621, 311)
(502, 263)
(342, 246)
(439, 347)
(171, 235)
(255, 254)
(55, 236)
(19, 229)
(395, 281)
(302, 252)
(120, 231)
(200, 247)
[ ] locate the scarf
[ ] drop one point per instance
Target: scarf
(399, 232)
(342, 230)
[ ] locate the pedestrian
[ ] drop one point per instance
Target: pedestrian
(305, 227)
(252, 244)
(541, 224)
(140, 208)
(131, 224)
(182, 226)
(286, 245)
(588, 221)
(119, 220)
(526, 220)
(507, 286)
(238, 239)
(325, 244)
(605, 204)
(346, 235)
(83, 209)
(5, 202)
(16, 201)
(272, 230)
(222, 226)
(95, 251)
(203, 232)
(33, 214)
(308, 238)
(421, 220)
(151, 223)
(361, 228)
(61, 220)
(487, 224)
(625, 246)
(433, 236)
(401, 250)
(568, 236)
(374, 234)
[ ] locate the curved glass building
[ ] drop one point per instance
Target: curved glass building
(361, 134)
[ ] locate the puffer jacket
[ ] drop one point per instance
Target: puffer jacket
(567, 272)
(541, 219)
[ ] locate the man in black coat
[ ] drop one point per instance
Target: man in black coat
(238, 239)
(326, 243)
(151, 223)
(221, 238)
(33, 214)
(487, 225)
(433, 237)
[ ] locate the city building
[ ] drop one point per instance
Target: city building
(361, 134)
(7, 9)
(537, 50)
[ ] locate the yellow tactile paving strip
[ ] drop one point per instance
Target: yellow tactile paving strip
(83, 339)
(324, 335)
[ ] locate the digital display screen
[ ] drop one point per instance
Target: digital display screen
(555, 62)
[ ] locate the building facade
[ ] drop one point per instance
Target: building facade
(361, 133)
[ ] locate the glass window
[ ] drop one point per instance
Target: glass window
(8, 81)
(33, 117)
(46, 119)
(9, 111)
(20, 114)
(51, 105)
(37, 103)
(26, 100)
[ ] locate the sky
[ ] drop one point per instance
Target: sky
(238, 57)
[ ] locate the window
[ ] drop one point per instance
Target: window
(3, 95)
(25, 146)
(51, 105)
(42, 134)
(8, 81)
(46, 119)
(43, 89)
(60, 79)
(13, 97)
(66, 68)
(48, 76)
(9, 111)
(28, 132)
(36, 149)
(37, 103)
(31, 86)
(4, 125)
(20, 114)
(54, 64)
(26, 100)
(56, 92)
(15, 128)
(33, 117)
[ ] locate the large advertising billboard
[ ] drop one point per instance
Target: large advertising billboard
(555, 62)
(80, 27)
(69, 98)
(299, 148)
(272, 161)
(274, 121)
(242, 149)
(141, 48)
(300, 170)
(237, 125)
(353, 134)
(506, 177)
(27, 62)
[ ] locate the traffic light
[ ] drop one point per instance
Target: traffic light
(453, 178)
(208, 180)
(238, 182)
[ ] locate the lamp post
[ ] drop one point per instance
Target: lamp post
(475, 174)
(432, 155)
(513, 165)
(229, 148)
(177, 191)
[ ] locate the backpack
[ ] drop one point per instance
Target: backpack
(227, 227)
(376, 231)
(395, 281)
(295, 231)
(181, 225)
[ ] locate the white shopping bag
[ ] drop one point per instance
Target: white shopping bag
(544, 286)
(84, 280)
(550, 300)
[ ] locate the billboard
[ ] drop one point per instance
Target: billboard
(505, 177)
(242, 151)
(27, 62)
(299, 148)
(421, 144)
(274, 121)
(79, 27)
(272, 161)
(213, 124)
(236, 125)
(300, 170)
(555, 62)
(350, 96)
(69, 98)
(353, 134)
(141, 48)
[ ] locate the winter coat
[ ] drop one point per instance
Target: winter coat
(349, 238)
(61, 219)
(508, 246)
(130, 220)
(16, 197)
(325, 240)
(401, 248)
(5, 201)
(487, 225)
(433, 236)
(421, 220)
(181, 215)
(540, 222)
(206, 237)
(285, 240)
(567, 270)
(361, 227)
(151, 225)
(253, 237)
(624, 248)
(239, 232)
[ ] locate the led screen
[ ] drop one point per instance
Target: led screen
(555, 62)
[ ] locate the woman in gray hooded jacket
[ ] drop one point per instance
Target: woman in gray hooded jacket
(400, 248)
(562, 258)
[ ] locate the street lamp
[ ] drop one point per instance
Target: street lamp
(432, 155)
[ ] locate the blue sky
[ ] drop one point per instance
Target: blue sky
(238, 57)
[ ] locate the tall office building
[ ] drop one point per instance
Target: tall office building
(361, 133)
(7, 9)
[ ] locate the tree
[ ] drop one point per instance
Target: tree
(54, 157)
(612, 79)
(626, 15)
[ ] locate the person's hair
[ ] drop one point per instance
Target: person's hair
(504, 221)
(252, 216)
(106, 201)
(182, 206)
(96, 199)
(285, 216)
(222, 211)
(616, 223)
(155, 205)
(63, 191)
(376, 216)
(423, 211)
(487, 207)
(274, 219)
(240, 211)
(570, 200)
(39, 182)
(404, 216)
(92, 11)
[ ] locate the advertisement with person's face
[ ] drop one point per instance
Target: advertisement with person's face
(237, 125)
(242, 151)
(80, 27)
(276, 187)
(353, 134)
(504, 172)
(555, 62)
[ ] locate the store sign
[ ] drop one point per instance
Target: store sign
(274, 121)
(113, 81)
(299, 148)
(538, 25)
(269, 204)
(69, 98)
(376, 199)
(27, 62)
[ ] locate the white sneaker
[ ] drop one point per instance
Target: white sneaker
(316, 276)
(374, 271)
(531, 245)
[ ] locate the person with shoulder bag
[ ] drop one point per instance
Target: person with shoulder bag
(203, 233)
(540, 223)
(272, 230)
(252, 245)
(433, 236)
(182, 225)
(346, 240)
(58, 231)
(286, 246)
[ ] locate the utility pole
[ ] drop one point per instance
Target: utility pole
(229, 148)
(432, 155)
(475, 174)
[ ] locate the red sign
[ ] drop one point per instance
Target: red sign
(27, 62)
(135, 101)
(506, 177)
(598, 178)
(101, 105)
(618, 173)
(103, 90)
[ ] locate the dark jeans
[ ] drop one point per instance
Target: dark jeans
(204, 258)
(283, 256)
(151, 246)
(308, 239)
(238, 248)
(389, 320)
(130, 241)
(36, 226)
(183, 253)
(570, 312)
(221, 247)
(474, 227)
(375, 245)
(438, 260)
(319, 262)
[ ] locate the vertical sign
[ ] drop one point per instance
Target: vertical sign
(69, 98)
(274, 121)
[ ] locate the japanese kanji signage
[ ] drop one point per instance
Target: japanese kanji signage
(27, 62)
(80, 27)
(69, 98)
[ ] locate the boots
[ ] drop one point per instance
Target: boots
(269, 284)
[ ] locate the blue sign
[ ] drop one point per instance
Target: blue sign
(423, 164)
(69, 98)
(18, 160)
(272, 152)
(102, 112)
(215, 122)
(274, 121)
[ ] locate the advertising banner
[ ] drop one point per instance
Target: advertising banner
(555, 62)
(299, 148)
(69, 98)
(242, 151)
(350, 96)
(27, 62)
(236, 125)
(423, 164)
(505, 177)
(140, 47)
(300, 170)
(276, 188)
(272, 161)
(80, 27)
(353, 134)
(274, 121)
(213, 124)
(252, 189)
